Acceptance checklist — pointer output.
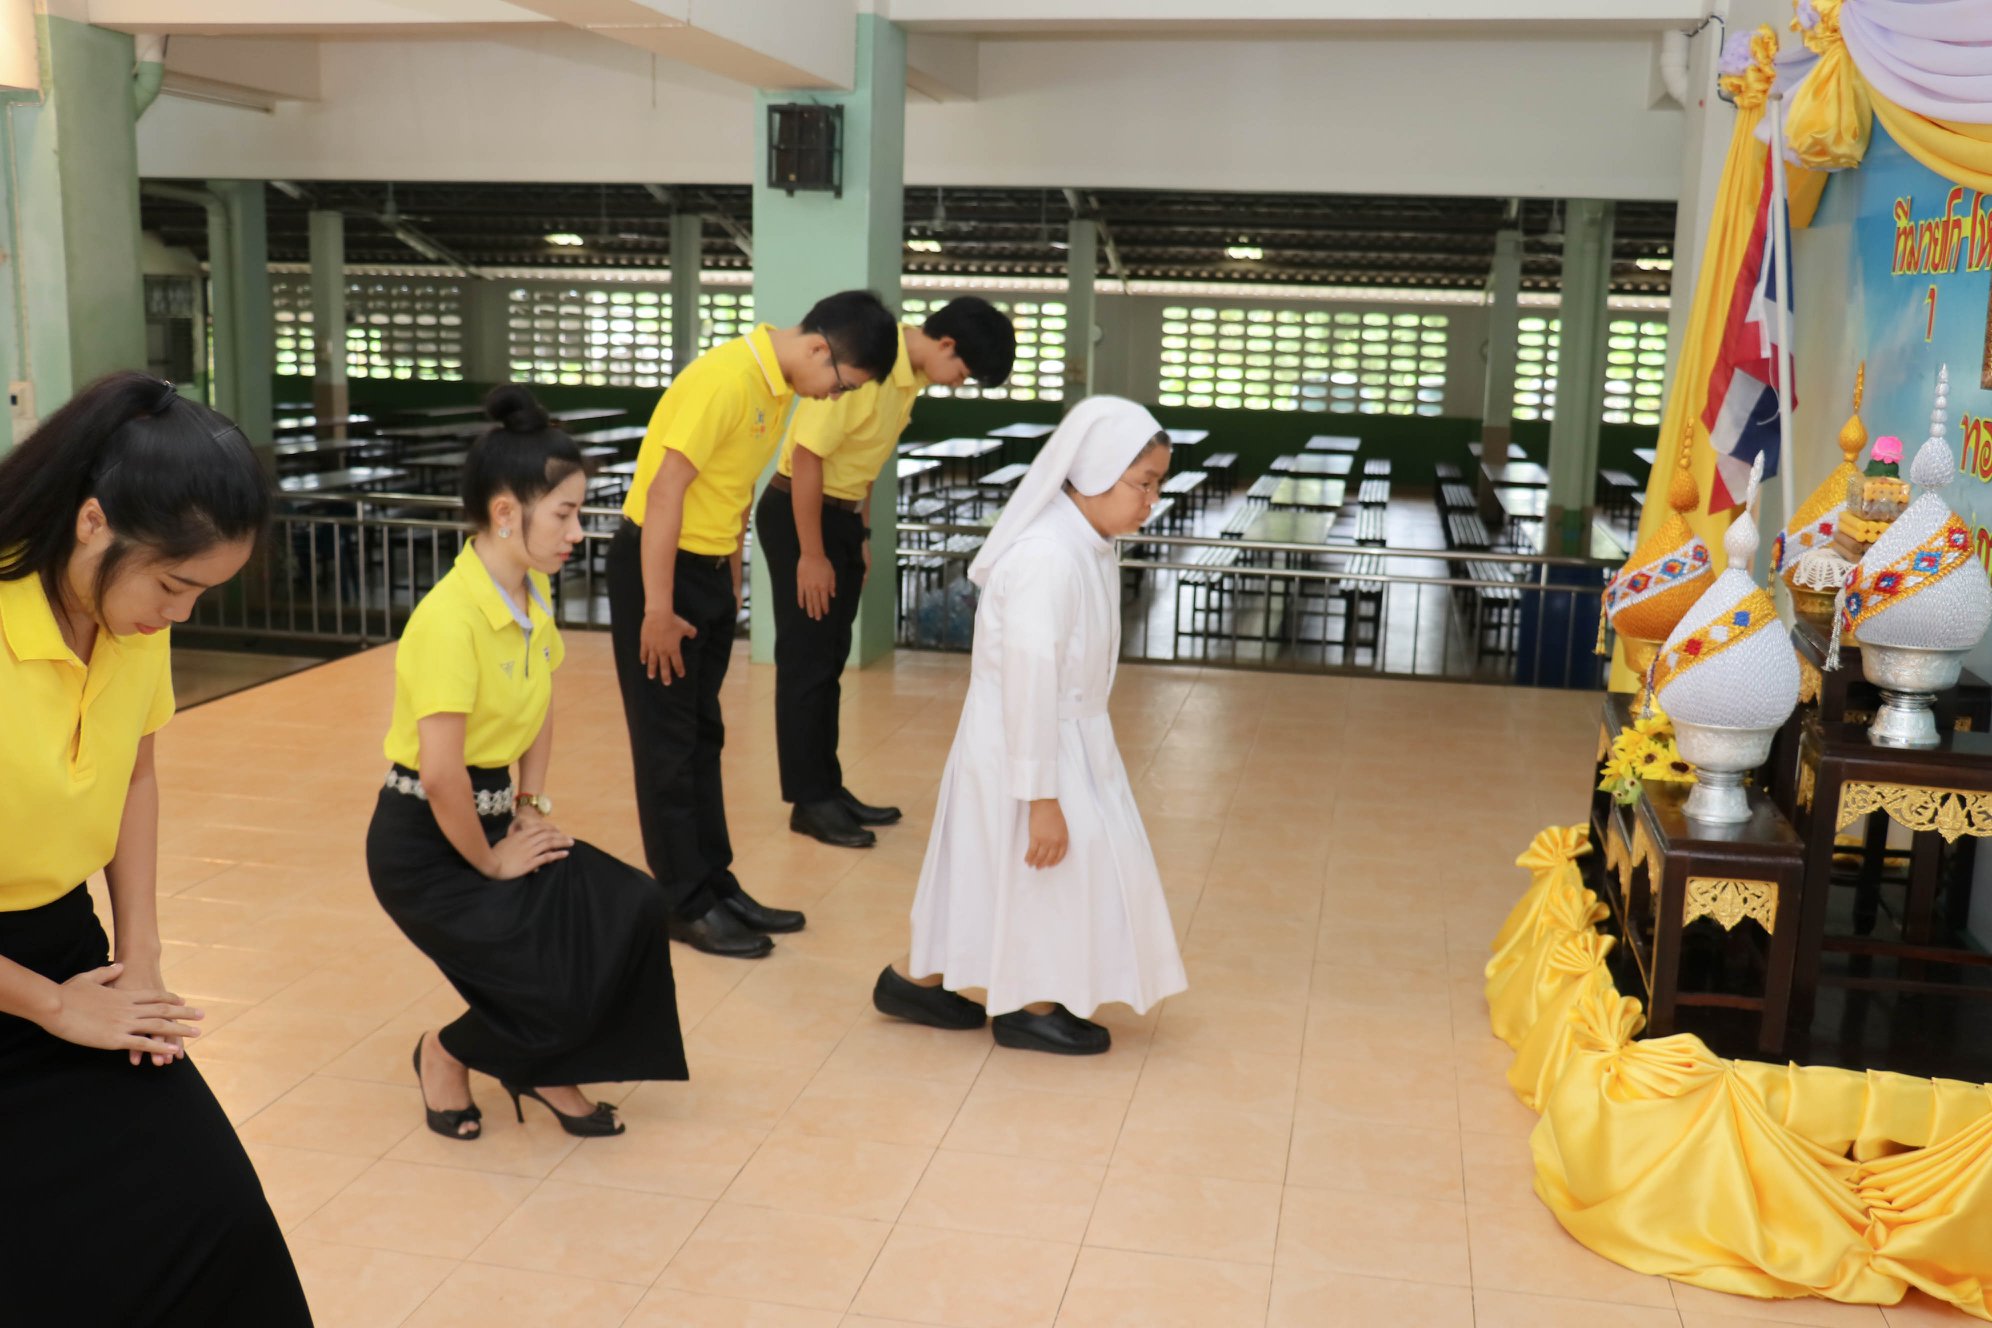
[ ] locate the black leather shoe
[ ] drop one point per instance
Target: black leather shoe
(830, 823)
(865, 813)
(936, 1007)
(758, 916)
(1060, 1032)
(719, 932)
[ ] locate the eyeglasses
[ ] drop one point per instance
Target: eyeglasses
(1148, 489)
(837, 372)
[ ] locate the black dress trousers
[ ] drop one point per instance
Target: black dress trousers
(810, 652)
(676, 733)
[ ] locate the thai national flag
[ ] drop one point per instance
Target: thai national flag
(1741, 413)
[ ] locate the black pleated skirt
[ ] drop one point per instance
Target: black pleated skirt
(567, 971)
(126, 1200)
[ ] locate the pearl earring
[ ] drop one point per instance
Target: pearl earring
(504, 532)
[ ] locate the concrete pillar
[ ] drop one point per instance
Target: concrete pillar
(239, 264)
(1504, 288)
(687, 263)
(1082, 262)
(1580, 373)
(76, 290)
(329, 398)
(811, 244)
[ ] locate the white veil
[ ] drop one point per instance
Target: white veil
(1094, 445)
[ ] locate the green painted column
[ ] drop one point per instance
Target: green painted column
(687, 264)
(239, 264)
(1504, 288)
(1082, 265)
(811, 244)
(76, 289)
(1580, 374)
(329, 396)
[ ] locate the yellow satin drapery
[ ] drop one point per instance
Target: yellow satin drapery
(1831, 117)
(1759, 1180)
(1731, 219)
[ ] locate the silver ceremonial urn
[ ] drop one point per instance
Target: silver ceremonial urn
(1909, 678)
(1721, 757)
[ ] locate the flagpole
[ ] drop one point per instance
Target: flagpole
(1787, 297)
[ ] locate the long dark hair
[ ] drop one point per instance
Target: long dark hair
(173, 477)
(521, 454)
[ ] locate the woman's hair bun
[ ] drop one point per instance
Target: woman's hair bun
(515, 409)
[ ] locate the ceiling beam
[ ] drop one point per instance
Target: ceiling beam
(761, 43)
(942, 68)
(314, 18)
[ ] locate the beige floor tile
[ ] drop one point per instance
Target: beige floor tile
(1505, 1309)
(1306, 1297)
(787, 1258)
(1113, 1075)
(1220, 1078)
(1121, 1289)
(1018, 1122)
(723, 1090)
(1005, 1196)
(1518, 1249)
(231, 974)
(962, 1280)
(440, 1211)
(244, 1090)
(1711, 1305)
(1192, 1216)
(1161, 1136)
(802, 1173)
(1375, 1235)
(480, 1295)
(286, 1039)
(351, 1287)
(877, 1045)
(668, 1307)
(1500, 1171)
(592, 1231)
(340, 1115)
(1332, 1151)
(298, 1181)
(690, 1159)
(839, 1104)
(531, 1149)
(1918, 1310)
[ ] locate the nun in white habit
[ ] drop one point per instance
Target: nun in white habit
(1039, 887)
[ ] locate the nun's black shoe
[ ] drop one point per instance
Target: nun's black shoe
(936, 1007)
(1058, 1031)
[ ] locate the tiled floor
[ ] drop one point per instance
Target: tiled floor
(1317, 1133)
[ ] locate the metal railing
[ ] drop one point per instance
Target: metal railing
(347, 569)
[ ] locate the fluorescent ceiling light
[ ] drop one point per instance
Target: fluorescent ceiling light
(919, 246)
(565, 239)
(1244, 253)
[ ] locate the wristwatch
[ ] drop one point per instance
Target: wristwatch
(539, 802)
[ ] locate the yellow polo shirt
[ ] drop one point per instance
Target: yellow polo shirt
(724, 414)
(856, 433)
(468, 650)
(71, 738)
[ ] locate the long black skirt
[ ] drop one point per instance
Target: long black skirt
(567, 970)
(126, 1200)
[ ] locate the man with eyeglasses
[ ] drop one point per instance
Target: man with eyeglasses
(813, 529)
(674, 591)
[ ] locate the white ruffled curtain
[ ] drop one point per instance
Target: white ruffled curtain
(1933, 57)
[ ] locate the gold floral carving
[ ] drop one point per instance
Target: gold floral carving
(1729, 902)
(1950, 812)
(1808, 782)
(1645, 855)
(1604, 744)
(1810, 680)
(1616, 858)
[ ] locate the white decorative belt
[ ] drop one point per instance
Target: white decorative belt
(490, 802)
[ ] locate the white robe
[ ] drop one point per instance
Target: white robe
(1095, 928)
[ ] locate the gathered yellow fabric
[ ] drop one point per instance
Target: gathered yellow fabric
(1759, 1180)
(1829, 119)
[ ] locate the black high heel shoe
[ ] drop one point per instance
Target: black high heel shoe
(449, 1124)
(597, 1124)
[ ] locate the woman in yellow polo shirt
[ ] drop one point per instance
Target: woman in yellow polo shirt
(125, 1198)
(559, 950)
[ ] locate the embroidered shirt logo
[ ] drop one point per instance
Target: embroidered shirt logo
(505, 666)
